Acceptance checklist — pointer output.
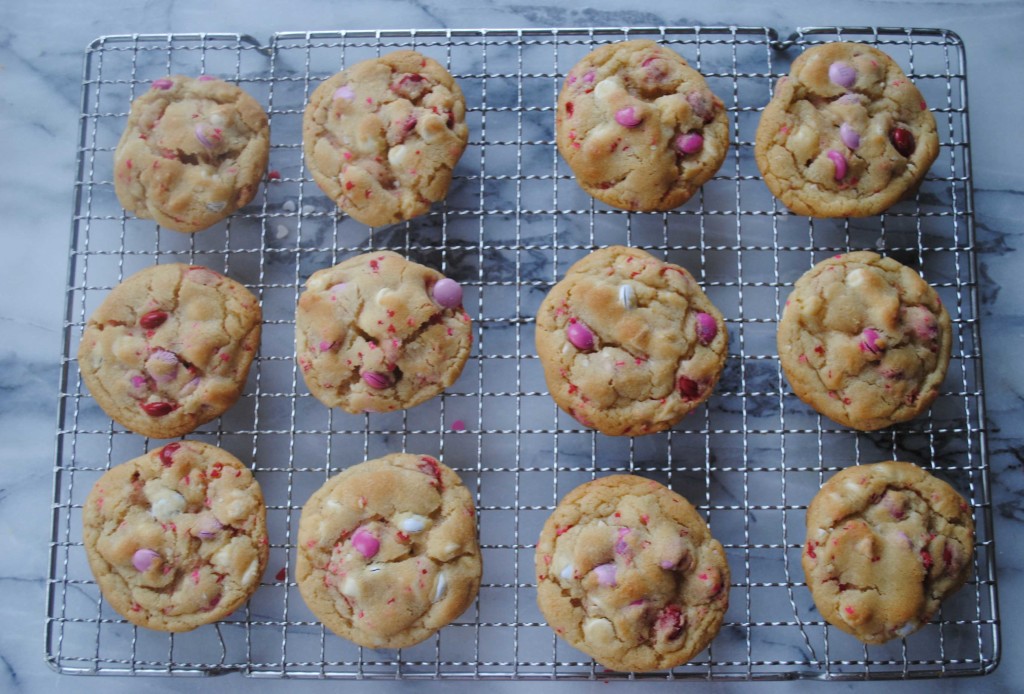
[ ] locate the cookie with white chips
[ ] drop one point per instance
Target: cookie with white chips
(193, 151)
(176, 538)
(886, 544)
(388, 551)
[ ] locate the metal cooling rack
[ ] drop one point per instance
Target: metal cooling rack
(751, 459)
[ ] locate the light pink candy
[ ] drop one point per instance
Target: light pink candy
(870, 341)
(690, 143)
(627, 117)
(365, 543)
(201, 136)
(850, 98)
(143, 559)
(376, 379)
(842, 74)
(344, 92)
(162, 84)
(605, 574)
(206, 78)
(589, 77)
(208, 526)
(707, 328)
(448, 293)
(840, 162)
(580, 336)
(849, 136)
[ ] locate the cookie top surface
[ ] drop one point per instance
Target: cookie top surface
(176, 538)
(378, 333)
(169, 348)
(193, 151)
(381, 138)
(865, 341)
(639, 127)
(388, 551)
(886, 543)
(628, 573)
(846, 134)
(629, 343)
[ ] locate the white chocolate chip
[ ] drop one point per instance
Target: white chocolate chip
(217, 120)
(413, 524)
(383, 292)
(604, 89)
(442, 587)
(855, 278)
(396, 156)
(250, 573)
(350, 587)
(450, 549)
(907, 629)
(164, 503)
(598, 630)
(568, 572)
(216, 206)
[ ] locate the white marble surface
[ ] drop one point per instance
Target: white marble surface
(41, 50)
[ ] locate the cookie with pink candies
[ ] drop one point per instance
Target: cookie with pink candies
(382, 137)
(846, 134)
(176, 538)
(865, 341)
(169, 349)
(629, 343)
(639, 127)
(378, 333)
(886, 544)
(388, 551)
(193, 151)
(627, 572)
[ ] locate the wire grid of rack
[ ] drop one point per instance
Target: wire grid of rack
(750, 460)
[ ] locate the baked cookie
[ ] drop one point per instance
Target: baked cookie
(886, 543)
(628, 573)
(382, 137)
(846, 133)
(378, 333)
(169, 348)
(639, 127)
(864, 341)
(193, 152)
(388, 551)
(629, 344)
(176, 538)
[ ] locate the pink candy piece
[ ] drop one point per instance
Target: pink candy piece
(849, 136)
(849, 98)
(344, 92)
(376, 380)
(605, 574)
(627, 117)
(162, 84)
(690, 143)
(143, 559)
(208, 526)
(448, 293)
(580, 336)
(870, 341)
(138, 381)
(707, 328)
(206, 78)
(840, 162)
(667, 564)
(201, 136)
(365, 543)
(621, 546)
(589, 77)
(842, 74)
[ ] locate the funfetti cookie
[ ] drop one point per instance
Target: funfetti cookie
(381, 138)
(388, 551)
(176, 538)
(864, 341)
(193, 151)
(846, 134)
(378, 333)
(886, 544)
(629, 343)
(628, 573)
(170, 348)
(639, 127)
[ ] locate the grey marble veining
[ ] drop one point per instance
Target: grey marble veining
(41, 53)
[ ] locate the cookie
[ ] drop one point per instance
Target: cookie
(169, 348)
(864, 341)
(639, 127)
(193, 151)
(886, 544)
(176, 538)
(378, 333)
(628, 573)
(388, 551)
(629, 344)
(846, 134)
(382, 137)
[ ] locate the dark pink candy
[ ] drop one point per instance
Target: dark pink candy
(707, 328)
(580, 336)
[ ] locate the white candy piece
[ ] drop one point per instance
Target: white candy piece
(442, 587)
(413, 524)
(568, 572)
(604, 89)
(396, 155)
(164, 503)
(627, 297)
(907, 629)
(250, 573)
(350, 587)
(855, 278)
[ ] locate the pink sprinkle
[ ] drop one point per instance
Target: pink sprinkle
(707, 328)
(689, 143)
(325, 345)
(344, 92)
(458, 425)
(162, 84)
(627, 117)
(365, 543)
(138, 381)
(143, 559)
(605, 574)
(195, 576)
(840, 162)
(589, 77)
(849, 610)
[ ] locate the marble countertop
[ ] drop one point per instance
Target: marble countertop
(41, 57)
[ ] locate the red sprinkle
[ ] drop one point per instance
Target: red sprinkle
(281, 575)
(157, 409)
(167, 453)
(688, 388)
(153, 320)
(810, 549)
(274, 175)
(349, 185)
(926, 557)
